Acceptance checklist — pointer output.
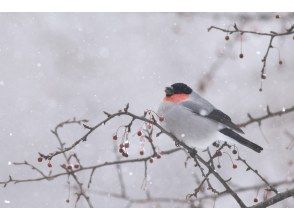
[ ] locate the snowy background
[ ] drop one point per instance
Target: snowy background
(56, 66)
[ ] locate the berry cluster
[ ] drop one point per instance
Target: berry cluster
(150, 115)
(70, 167)
(218, 154)
(123, 149)
(125, 144)
(145, 129)
(49, 164)
(156, 155)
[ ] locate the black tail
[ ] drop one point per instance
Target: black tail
(228, 132)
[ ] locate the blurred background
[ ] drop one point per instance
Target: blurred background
(56, 66)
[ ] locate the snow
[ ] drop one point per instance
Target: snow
(203, 112)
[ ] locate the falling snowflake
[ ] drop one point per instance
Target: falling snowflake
(203, 112)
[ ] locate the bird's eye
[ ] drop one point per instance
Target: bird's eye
(169, 91)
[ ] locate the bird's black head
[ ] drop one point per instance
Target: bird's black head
(178, 88)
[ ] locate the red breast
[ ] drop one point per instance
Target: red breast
(176, 98)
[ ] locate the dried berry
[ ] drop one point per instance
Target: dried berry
(63, 166)
(255, 200)
(227, 37)
(141, 152)
(235, 166)
(219, 153)
(161, 119)
(67, 201)
(219, 166)
(263, 76)
(151, 160)
(280, 62)
(158, 156)
(234, 151)
(40, 159)
(127, 144)
(49, 165)
(121, 146)
(277, 16)
(76, 166)
(121, 150)
(125, 154)
(241, 55)
(69, 167)
(114, 137)
(139, 133)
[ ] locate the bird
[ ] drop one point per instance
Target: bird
(195, 121)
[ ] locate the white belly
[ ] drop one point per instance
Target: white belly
(193, 130)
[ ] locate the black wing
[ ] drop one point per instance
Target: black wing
(221, 117)
(205, 109)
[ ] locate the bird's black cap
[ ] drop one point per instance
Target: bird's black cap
(178, 88)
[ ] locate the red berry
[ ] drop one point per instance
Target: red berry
(227, 37)
(40, 159)
(125, 154)
(151, 160)
(255, 200)
(139, 133)
(76, 166)
(234, 166)
(49, 164)
(141, 152)
(114, 137)
(241, 55)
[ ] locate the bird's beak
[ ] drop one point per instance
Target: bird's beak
(169, 91)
